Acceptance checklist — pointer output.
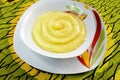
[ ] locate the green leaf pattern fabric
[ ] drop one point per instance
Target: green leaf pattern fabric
(13, 68)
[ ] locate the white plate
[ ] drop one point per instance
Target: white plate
(59, 66)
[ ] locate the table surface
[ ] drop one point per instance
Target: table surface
(13, 68)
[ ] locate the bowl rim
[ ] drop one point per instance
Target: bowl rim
(23, 19)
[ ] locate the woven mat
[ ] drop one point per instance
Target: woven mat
(13, 68)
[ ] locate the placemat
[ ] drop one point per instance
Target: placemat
(13, 68)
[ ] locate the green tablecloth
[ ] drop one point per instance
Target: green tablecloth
(13, 68)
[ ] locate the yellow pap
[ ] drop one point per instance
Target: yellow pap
(58, 31)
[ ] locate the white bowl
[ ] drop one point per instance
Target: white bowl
(31, 14)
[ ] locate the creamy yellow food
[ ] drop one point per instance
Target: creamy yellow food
(58, 31)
